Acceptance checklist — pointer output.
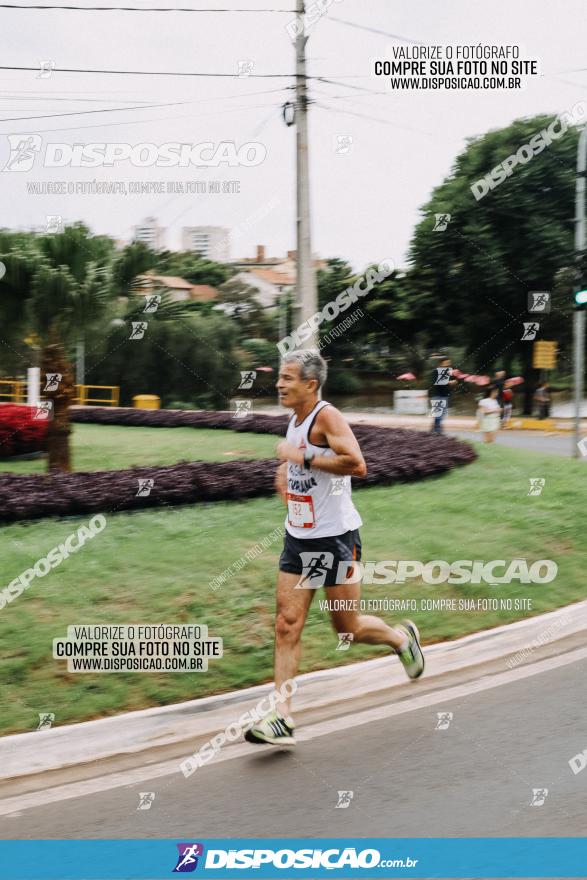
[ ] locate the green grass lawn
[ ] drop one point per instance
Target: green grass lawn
(155, 566)
(110, 447)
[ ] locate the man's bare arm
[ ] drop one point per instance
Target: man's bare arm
(348, 459)
(281, 481)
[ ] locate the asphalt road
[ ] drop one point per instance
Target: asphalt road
(408, 778)
(537, 441)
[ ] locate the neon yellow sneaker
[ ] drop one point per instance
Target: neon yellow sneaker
(412, 658)
(273, 729)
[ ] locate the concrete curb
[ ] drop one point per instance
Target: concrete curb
(134, 732)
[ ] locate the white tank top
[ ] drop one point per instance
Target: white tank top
(319, 505)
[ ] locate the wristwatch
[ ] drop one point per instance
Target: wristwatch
(308, 459)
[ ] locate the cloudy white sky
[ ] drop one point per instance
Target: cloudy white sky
(364, 203)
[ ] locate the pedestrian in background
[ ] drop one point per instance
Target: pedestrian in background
(440, 388)
(499, 381)
(508, 399)
(542, 398)
(489, 413)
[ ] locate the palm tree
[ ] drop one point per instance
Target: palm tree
(61, 311)
(85, 255)
(58, 287)
(21, 265)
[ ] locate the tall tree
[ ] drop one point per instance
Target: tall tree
(60, 311)
(469, 282)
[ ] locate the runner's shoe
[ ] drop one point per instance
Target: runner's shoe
(412, 658)
(273, 729)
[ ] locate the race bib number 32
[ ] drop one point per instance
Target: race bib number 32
(300, 509)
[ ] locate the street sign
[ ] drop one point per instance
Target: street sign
(544, 355)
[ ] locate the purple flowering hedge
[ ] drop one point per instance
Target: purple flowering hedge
(391, 455)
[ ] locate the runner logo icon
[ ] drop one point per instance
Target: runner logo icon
(187, 860)
(315, 568)
(539, 301)
(539, 795)
(23, 151)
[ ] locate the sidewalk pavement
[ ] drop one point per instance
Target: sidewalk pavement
(452, 423)
(135, 733)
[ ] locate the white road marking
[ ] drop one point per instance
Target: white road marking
(9, 806)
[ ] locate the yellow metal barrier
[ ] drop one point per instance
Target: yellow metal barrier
(16, 394)
(83, 396)
(14, 390)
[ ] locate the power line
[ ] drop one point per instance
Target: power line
(89, 112)
(151, 72)
(371, 30)
(573, 70)
(192, 73)
(373, 119)
(136, 9)
(155, 119)
(335, 82)
(51, 97)
(138, 107)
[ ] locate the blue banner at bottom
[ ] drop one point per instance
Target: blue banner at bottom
(368, 858)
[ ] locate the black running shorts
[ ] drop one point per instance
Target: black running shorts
(317, 559)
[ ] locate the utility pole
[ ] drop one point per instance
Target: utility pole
(80, 362)
(306, 294)
(579, 313)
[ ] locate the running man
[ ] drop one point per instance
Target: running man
(320, 525)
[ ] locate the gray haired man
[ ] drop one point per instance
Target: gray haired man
(322, 538)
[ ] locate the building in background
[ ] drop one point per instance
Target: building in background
(269, 284)
(212, 242)
(270, 276)
(150, 233)
(285, 264)
(178, 289)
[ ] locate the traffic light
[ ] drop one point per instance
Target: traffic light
(581, 299)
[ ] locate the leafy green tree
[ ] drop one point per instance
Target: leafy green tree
(243, 307)
(192, 267)
(21, 266)
(191, 359)
(56, 288)
(133, 260)
(76, 247)
(381, 338)
(469, 283)
(61, 309)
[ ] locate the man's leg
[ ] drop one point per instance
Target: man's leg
(364, 627)
(404, 639)
(441, 420)
(290, 617)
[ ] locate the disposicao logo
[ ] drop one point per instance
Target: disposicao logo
(187, 859)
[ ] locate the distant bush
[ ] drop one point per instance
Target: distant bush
(343, 382)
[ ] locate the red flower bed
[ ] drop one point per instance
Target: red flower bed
(19, 432)
(391, 455)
